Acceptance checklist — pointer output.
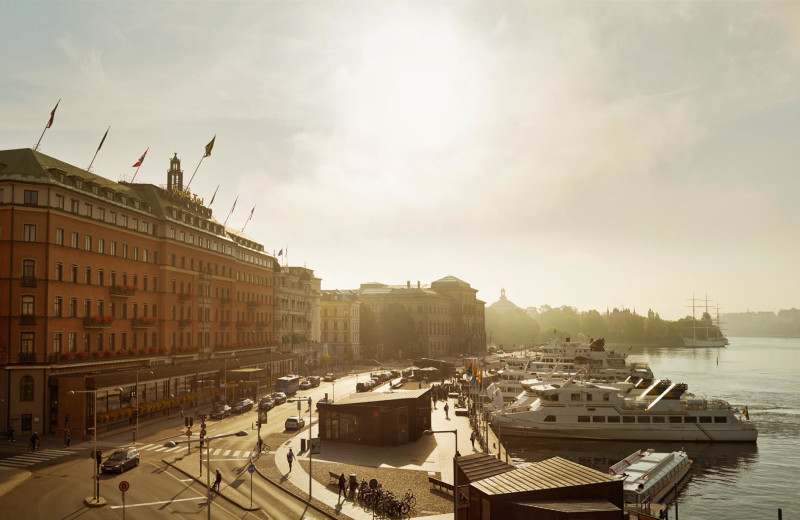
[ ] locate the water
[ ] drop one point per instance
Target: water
(745, 481)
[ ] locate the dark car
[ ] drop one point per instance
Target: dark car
(121, 460)
(279, 398)
(363, 387)
(220, 411)
(305, 385)
(324, 401)
(266, 403)
(242, 405)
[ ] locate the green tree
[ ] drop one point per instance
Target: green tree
(326, 360)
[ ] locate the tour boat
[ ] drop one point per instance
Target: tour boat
(648, 475)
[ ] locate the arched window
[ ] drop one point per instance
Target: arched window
(26, 388)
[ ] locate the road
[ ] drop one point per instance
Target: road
(57, 486)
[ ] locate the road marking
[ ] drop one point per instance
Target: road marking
(227, 452)
(161, 449)
(217, 452)
(187, 480)
(236, 453)
(172, 449)
(218, 460)
(246, 454)
(148, 446)
(162, 502)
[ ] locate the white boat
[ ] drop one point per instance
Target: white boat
(648, 476)
(705, 334)
(662, 411)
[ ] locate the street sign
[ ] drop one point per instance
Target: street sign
(124, 486)
(133, 402)
(188, 433)
(299, 405)
(373, 484)
(315, 446)
(251, 469)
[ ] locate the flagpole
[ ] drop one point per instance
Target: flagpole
(98, 149)
(52, 114)
(195, 171)
(140, 164)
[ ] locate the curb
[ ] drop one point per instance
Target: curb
(219, 494)
(91, 502)
(293, 494)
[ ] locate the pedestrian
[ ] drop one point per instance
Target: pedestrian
(10, 436)
(181, 412)
(217, 482)
(342, 486)
(67, 438)
(35, 442)
(472, 438)
(290, 458)
(260, 445)
(446, 411)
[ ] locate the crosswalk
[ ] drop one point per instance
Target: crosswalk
(160, 448)
(29, 459)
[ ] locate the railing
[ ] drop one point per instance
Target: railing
(252, 305)
(97, 321)
(28, 281)
(27, 319)
(122, 290)
(184, 297)
(143, 322)
(242, 324)
(184, 323)
(225, 324)
(224, 301)
(261, 325)
(27, 357)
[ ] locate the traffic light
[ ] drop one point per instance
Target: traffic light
(99, 456)
(186, 421)
(191, 421)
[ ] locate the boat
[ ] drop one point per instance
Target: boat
(658, 411)
(648, 475)
(706, 334)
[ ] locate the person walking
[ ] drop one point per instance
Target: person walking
(10, 436)
(342, 486)
(217, 482)
(35, 442)
(472, 438)
(181, 412)
(260, 445)
(446, 411)
(67, 438)
(290, 458)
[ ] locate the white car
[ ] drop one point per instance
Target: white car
(294, 423)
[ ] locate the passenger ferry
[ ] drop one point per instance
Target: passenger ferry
(661, 411)
(649, 475)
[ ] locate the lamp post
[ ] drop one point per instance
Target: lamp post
(207, 440)
(298, 401)
(225, 378)
(136, 395)
(455, 468)
(94, 451)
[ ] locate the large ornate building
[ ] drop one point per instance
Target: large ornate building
(341, 317)
(100, 277)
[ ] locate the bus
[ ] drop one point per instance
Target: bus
(289, 385)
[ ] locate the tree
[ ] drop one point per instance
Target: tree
(369, 332)
(326, 359)
(398, 331)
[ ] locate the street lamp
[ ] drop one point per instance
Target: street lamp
(298, 401)
(455, 468)
(225, 395)
(94, 454)
(207, 440)
(136, 396)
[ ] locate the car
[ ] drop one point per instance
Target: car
(220, 411)
(314, 380)
(294, 423)
(121, 460)
(279, 398)
(362, 387)
(323, 401)
(305, 385)
(266, 403)
(329, 377)
(242, 405)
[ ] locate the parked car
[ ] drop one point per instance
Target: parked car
(279, 398)
(329, 377)
(220, 411)
(362, 387)
(242, 405)
(314, 380)
(294, 423)
(323, 401)
(121, 460)
(266, 403)
(305, 384)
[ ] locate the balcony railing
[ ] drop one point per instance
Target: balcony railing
(27, 319)
(261, 325)
(225, 324)
(123, 291)
(242, 324)
(27, 357)
(184, 297)
(28, 281)
(224, 301)
(143, 322)
(252, 305)
(184, 323)
(97, 321)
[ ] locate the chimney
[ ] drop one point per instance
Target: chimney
(418, 286)
(408, 284)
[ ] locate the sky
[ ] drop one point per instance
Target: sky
(591, 154)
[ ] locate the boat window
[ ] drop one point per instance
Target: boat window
(643, 419)
(576, 397)
(690, 419)
(598, 418)
(613, 418)
(588, 397)
(675, 419)
(628, 419)
(550, 418)
(720, 419)
(705, 419)
(658, 419)
(583, 418)
(605, 397)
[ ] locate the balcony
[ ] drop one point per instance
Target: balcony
(28, 281)
(184, 297)
(139, 323)
(252, 305)
(97, 322)
(122, 291)
(243, 324)
(260, 325)
(224, 301)
(225, 324)
(27, 319)
(27, 357)
(184, 323)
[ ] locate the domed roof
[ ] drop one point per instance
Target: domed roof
(503, 304)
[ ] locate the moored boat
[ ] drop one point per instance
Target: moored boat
(649, 475)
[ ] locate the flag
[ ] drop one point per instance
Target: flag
(210, 146)
(214, 195)
(234, 203)
(141, 159)
(53, 115)
(746, 413)
(280, 253)
(103, 140)
(251, 214)
(480, 379)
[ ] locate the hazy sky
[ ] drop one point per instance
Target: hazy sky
(587, 154)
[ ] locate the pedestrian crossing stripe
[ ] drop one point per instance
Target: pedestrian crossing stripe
(29, 459)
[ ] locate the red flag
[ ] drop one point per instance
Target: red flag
(141, 159)
(53, 115)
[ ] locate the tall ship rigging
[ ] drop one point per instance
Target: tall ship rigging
(704, 333)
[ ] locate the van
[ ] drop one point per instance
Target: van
(314, 380)
(362, 387)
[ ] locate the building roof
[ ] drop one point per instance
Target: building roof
(478, 466)
(572, 506)
(547, 474)
(377, 397)
(504, 304)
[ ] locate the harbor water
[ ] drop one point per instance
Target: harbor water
(747, 480)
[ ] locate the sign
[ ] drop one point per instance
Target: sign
(251, 468)
(315, 446)
(133, 402)
(222, 383)
(124, 486)
(262, 416)
(188, 433)
(299, 405)
(373, 484)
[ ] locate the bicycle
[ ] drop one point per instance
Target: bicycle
(264, 449)
(410, 499)
(34, 447)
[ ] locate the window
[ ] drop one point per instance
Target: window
(101, 245)
(74, 206)
(675, 420)
(88, 210)
(29, 232)
(57, 341)
(73, 307)
(88, 244)
(28, 305)
(28, 269)
(135, 253)
(643, 419)
(658, 419)
(58, 307)
(60, 201)
(575, 397)
(59, 276)
(59, 236)
(31, 197)
(690, 419)
(88, 276)
(112, 217)
(144, 255)
(74, 240)
(112, 248)
(583, 418)
(72, 341)
(73, 273)
(628, 419)
(124, 250)
(87, 307)
(550, 418)
(720, 419)
(26, 388)
(101, 277)
(101, 214)
(26, 342)
(598, 418)
(123, 220)
(613, 418)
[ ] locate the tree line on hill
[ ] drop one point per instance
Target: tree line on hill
(784, 324)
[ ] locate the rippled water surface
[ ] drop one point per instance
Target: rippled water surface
(746, 481)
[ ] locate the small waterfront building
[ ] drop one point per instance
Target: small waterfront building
(381, 419)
